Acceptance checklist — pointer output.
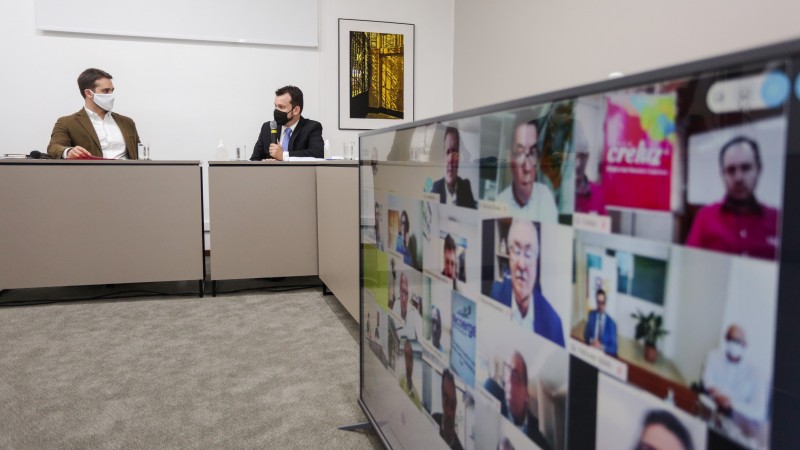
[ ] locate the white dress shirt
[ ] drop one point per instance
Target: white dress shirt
(112, 142)
(738, 381)
(450, 199)
(525, 321)
(541, 207)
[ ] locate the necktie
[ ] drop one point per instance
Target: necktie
(600, 327)
(287, 133)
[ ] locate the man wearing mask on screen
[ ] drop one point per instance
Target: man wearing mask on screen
(733, 383)
(527, 197)
(739, 224)
(521, 288)
(94, 131)
(296, 135)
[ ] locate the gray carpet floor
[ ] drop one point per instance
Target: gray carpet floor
(250, 370)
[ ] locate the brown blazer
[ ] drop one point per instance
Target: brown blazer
(77, 130)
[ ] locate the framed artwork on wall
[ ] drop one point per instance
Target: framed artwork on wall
(376, 74)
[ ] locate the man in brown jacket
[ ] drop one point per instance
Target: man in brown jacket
(94, 130)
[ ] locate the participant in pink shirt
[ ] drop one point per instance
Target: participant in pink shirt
(739, 224)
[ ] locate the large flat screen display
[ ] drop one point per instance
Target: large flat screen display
(599, 267)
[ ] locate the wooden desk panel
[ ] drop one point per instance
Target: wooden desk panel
(263, 220)
(68, 223)
(338, 225)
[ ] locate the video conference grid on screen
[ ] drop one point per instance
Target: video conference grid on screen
(635, 231)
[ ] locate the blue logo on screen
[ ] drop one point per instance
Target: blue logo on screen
(775, 89)
(428, 184)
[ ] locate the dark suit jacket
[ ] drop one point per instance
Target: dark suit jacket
(546, 322)
(464, 195)
(77, 130)
(533, 433)
(609, 336)
(306, 140)
(437, 417)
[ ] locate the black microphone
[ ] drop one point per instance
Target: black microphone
(36, 154)
(273, 133)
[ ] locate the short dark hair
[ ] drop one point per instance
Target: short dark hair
(295, 93)
(453, 130)
(88, 79)
(740, 140)
(671, 423)
(536, 123)
(600, 291)
(449, 243)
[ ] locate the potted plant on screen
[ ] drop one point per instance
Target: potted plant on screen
(650, 328)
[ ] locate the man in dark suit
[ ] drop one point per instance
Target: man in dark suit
(297, 135)
(94, 130)
(452, 189)
(521, 290)
(447, 418)
(514, 399)
(601, 330)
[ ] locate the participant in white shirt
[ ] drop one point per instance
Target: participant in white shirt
(526, 197)
(732, 382)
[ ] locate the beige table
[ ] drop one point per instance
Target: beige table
(338, 231)
(280, 219)
(68, 223)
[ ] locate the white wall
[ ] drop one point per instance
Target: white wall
(185, 95)
(515, 48)
(433, 77)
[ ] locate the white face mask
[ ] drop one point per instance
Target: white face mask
(105, 101)
(734, 350)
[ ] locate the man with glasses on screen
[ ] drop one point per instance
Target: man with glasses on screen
(521, 288)
(739, 224)
(525, 196)
(452, 189)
